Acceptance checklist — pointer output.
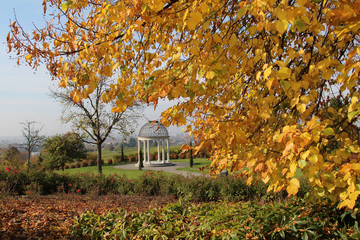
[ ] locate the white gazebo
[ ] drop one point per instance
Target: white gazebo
(154, 131)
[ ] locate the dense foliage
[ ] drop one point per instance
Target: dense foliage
(62, 149)
(256, 77)
(223, 220)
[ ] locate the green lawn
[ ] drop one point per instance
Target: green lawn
(132, 174)
(107, 170)
(198, 163)
(107, 154)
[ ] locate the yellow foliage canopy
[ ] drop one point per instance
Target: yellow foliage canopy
(269, 85)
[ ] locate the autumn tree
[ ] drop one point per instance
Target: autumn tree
(92, 116)
(33, 139)
(12, 157)
(62, 149)
(252, 77)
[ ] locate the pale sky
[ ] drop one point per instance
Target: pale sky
(24, 93)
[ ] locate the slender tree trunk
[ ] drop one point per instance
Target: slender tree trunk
(191, 156)
(122, 152)
(99, 163)
(28, 162)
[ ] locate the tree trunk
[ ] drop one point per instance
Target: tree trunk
(99, 163)
(122, 152)
(28, 162)
(191, 156)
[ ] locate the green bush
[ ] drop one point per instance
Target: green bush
(84, 163)
(91, 159)
(152, 184)
(13, 182)
(293, 219)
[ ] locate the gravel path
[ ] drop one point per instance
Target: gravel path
(171, 169)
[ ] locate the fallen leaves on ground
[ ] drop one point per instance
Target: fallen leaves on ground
(50, 217)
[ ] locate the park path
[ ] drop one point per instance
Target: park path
(171, 169)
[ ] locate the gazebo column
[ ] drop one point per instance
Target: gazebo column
(148, 151)
(139, 147)
(144, 151)
(158, 149)
(163, 151)
(168, 152)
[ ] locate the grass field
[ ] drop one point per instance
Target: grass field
(107, 154)
(107, 170)
(132, 174)
(198, 163)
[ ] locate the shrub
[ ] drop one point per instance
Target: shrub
(152, 184)
(91, 159)
(110, 161)
(293, 219)
(77, 165)
(66, 167)
(84, 163)
(181, 156)
(13, 182)
(132, 158)
(117, 158)
(72, 165)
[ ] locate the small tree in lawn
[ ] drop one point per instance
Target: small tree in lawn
(33, 138)
(94, 117)
(191, 155)
(61, 149)
(122, 151)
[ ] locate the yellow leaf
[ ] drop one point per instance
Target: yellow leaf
(119, 109)
(282, 26)
(354, 148)
(204, 7)
(107, 71)
(195, 19)
(76, 96)
(301, 107)
(28, 57)
(284, 73)
(356, 167)
(63, 82)
(210, 74)
(328, 131)
(249, 181)
(305, 99)
(293, 186)
(269, 83)
(294, 101)
(241, 13)
(267, 72)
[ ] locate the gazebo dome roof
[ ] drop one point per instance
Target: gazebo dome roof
(153, 129)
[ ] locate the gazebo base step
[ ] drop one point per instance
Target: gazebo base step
(156, 164)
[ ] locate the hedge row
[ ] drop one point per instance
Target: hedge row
(199, 189)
